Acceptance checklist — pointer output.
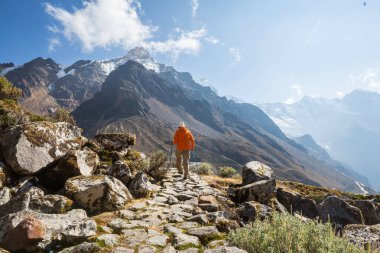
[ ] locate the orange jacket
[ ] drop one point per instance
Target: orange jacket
(184, 139)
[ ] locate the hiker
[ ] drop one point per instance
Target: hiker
(185, 142)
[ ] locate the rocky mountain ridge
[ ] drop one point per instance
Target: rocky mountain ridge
(150, 99)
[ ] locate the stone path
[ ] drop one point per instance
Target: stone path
(180, 217)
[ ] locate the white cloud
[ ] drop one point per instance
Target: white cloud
(194, 7)
(339, 94)
(212, 40)
(369, 79)
(235, 53)
(116, 23)
(53, 43)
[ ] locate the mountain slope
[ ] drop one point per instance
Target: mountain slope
(139, 100)
(347, 127)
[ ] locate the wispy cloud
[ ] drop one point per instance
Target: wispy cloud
(53, 43)
(194, 7)
(116, 23)
(235, 53)
(296, 90)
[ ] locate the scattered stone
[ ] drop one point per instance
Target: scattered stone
(109, 239)
(199, 218)
(122, 250)
(126, 214)
(5, 195)
(363, 235)
(140, 186)
(84, 247)
(98, 193)
(118, 225)
(225, 249)
(338, 211)
(169, 249)
(159, 240)
(185, 240)
(205, 234)
(133, 237)
(30, 147)
(256, 171)
(146, 249)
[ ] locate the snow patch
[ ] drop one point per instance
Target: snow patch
(6, 70)
(361, 186)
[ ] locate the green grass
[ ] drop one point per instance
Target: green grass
(285, 233)
(227, 171)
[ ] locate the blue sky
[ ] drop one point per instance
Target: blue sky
(265, 51)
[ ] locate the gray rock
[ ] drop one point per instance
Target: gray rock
(81, 162)
(338, 211)
(109, 239)
(205, 233)
(122, 250)
(158, 240)
(260, 191)
(370, 211)
(199, 218)
(225, 249)
(70, 227)
(256, 171)
(169, 249)
(133, 237)
(84, 247)
(30, 147)
(118, 225)
(98, 193)
(146, 249)
(183, 239)
(140, 186)
(121, 171)
(250, 211)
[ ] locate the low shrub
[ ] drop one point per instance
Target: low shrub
(286, 233)
(204, 169)
(7, 90)
(62, 115)
(227, 171)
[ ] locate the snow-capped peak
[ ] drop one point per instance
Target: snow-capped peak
(137, 54)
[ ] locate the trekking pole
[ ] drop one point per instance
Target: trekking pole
(170, 156)
(196, 163)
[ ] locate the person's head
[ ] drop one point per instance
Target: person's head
(181, 124)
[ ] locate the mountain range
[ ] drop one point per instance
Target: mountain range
(348, 127)
(135, 94)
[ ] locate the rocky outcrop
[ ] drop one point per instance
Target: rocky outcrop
(363, 235)
(81, 162)
(70, 227)
(250, 211)
(260, 191)
(121, 171)
(256, 171)
(336, 210)
(31, 147)
(98, 193)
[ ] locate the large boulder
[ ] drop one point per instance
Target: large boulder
(140, 186)
(25, 235)
(70, 227)
(250, 211)
(295, 203)
(256, 171)
(338, 211)
(30, 147)
(260, 191)
(115, 141)
(74, 163)
(370, 211)
(98, 193)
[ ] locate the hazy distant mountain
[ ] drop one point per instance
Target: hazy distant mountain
(349, 128)
(134, 93)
